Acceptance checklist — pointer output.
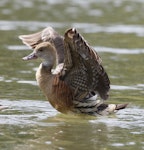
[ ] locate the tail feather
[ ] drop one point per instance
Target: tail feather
(112, 108)
(120, 106)
(97, 107)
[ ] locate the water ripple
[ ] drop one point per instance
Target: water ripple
(127, 118)
(98, 49)
(30, 25)
(25, 112)
(122, 87)
(119, 50)
(126, 29)
(86, 27)
(28, 82)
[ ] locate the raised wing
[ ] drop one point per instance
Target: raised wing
(82, 70)
(47, 34)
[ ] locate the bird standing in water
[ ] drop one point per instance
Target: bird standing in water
(71, 75)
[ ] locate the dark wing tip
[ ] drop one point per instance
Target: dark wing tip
(70, 33)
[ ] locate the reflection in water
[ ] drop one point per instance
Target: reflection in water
(35, 123)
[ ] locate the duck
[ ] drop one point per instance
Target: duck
(71, 74)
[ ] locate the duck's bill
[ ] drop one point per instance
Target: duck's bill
(30, 57)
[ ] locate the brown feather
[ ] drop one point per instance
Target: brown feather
(73, 84)
(82, 68)
(56, 91)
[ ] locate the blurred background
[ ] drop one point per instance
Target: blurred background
(115, 28)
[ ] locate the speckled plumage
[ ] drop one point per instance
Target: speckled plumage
(79, 75)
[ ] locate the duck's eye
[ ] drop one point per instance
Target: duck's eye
(41, 50)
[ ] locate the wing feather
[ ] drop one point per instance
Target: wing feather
(46, 35)
(82, 70)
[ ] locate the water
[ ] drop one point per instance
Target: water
(116, 30)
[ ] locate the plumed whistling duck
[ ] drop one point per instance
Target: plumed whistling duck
(71, 75)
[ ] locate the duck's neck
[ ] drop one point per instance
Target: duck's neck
(44, 75)
(50, 62)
